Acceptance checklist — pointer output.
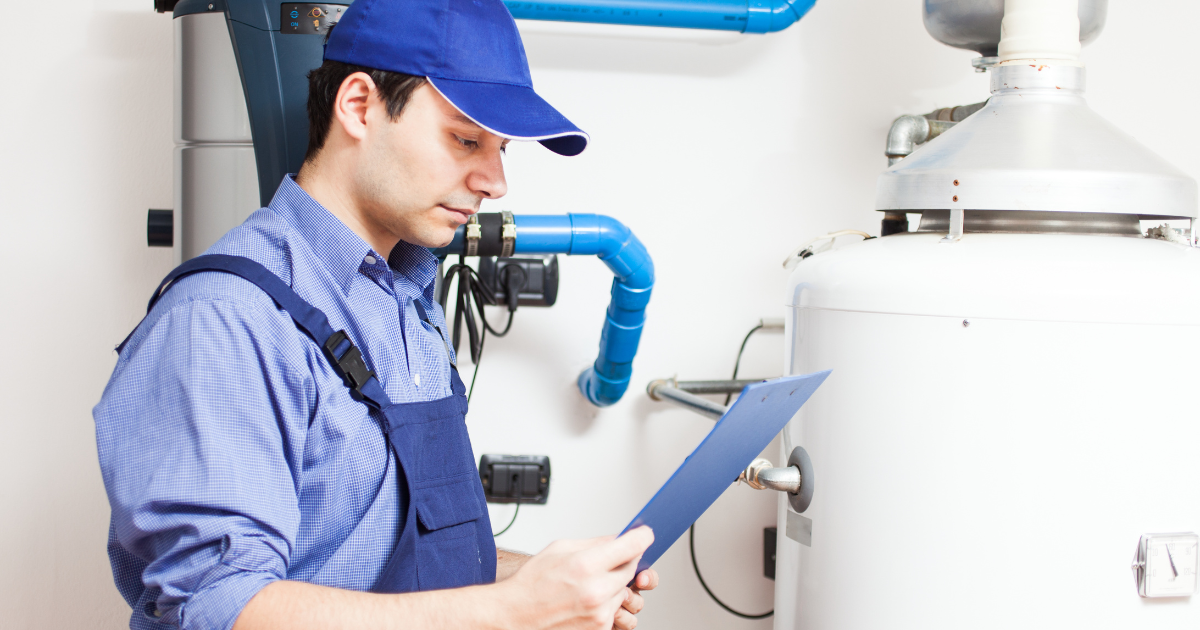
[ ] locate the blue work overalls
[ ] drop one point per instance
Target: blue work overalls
(446, 536)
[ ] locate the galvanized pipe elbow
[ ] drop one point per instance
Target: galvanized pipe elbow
(904, 136)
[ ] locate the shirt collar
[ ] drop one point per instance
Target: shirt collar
(417, 263)
(338, 247)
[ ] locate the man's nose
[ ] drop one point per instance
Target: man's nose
(487, 178)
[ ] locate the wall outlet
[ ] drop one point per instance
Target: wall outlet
(515, 478)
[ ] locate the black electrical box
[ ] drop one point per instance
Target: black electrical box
(769, 540)
(515, 478)
(532, 279)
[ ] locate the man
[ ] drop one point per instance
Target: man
(282, 439)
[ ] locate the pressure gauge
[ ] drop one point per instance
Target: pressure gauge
(1165, 565)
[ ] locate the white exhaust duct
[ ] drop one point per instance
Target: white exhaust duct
(1040, 32)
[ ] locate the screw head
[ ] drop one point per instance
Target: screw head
(955, 198)
(966, 323)
(956, 182)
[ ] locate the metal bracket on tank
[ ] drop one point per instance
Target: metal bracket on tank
(956, 224)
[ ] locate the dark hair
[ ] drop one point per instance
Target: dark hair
(323, 84)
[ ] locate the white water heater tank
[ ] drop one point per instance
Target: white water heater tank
(1007, 417)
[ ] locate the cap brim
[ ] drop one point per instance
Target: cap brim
(514, 112)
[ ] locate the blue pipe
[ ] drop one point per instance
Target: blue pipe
(607, 238)
(745, 16)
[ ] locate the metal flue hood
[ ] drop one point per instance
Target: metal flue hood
(1037, 146)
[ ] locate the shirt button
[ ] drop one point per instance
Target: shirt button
(370, 260)
(417, 379)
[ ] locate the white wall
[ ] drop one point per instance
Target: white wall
(721, 156)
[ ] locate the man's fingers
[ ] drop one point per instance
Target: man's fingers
(634, 603)
(619, 552)
(646, 580)
(624, 620)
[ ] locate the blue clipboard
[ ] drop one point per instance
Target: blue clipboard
(749, 425)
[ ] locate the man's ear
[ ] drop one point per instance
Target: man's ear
(350, 107)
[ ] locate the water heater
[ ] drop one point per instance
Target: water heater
(1008, 438)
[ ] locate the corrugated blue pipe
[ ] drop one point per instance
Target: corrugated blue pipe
(607, 238)
(746, 16)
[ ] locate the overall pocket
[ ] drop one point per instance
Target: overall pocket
(442, 452)
(449, 516)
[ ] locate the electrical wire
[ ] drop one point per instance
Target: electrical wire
(472, 292)
(510, 523)
(475, 372)
(738, 362)
(692, 551)
(806, 250)
(472, 295)
(692, 530)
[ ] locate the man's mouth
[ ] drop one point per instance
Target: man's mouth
(460, 215)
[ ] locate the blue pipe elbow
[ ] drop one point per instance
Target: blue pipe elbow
(745, 16)
(608, 239)
(606, 381)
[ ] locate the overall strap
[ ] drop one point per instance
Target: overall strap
(346, 359)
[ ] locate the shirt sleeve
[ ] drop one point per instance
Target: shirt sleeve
(201, 436)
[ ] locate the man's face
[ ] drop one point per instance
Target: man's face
(422, 175)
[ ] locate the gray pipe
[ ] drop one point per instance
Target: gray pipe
(910, 131)
(906, 133)
(665, 390)
(715, 387)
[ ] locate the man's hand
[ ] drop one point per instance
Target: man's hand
(581, 584)
(645, 581)
(572, 585)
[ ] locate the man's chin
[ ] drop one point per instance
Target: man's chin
(436, 237)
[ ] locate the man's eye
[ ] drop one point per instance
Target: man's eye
(470, 144)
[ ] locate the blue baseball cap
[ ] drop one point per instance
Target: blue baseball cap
(469, 50)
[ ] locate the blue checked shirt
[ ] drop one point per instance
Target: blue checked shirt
(232, 454)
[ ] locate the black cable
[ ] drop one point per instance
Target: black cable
(692, 530)
(471, 291)
(738, 362)
(692, 550)
(475, 374)
(510, 523)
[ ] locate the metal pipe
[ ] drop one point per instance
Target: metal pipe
(910, 131)
(760, 475)
(715, 387)
(906, 133)
(664, 389)
(745, 16)
(785, 479)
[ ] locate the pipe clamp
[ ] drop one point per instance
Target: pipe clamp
(474, 233)
(508, 234)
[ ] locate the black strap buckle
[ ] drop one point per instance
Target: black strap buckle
(350, 366)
